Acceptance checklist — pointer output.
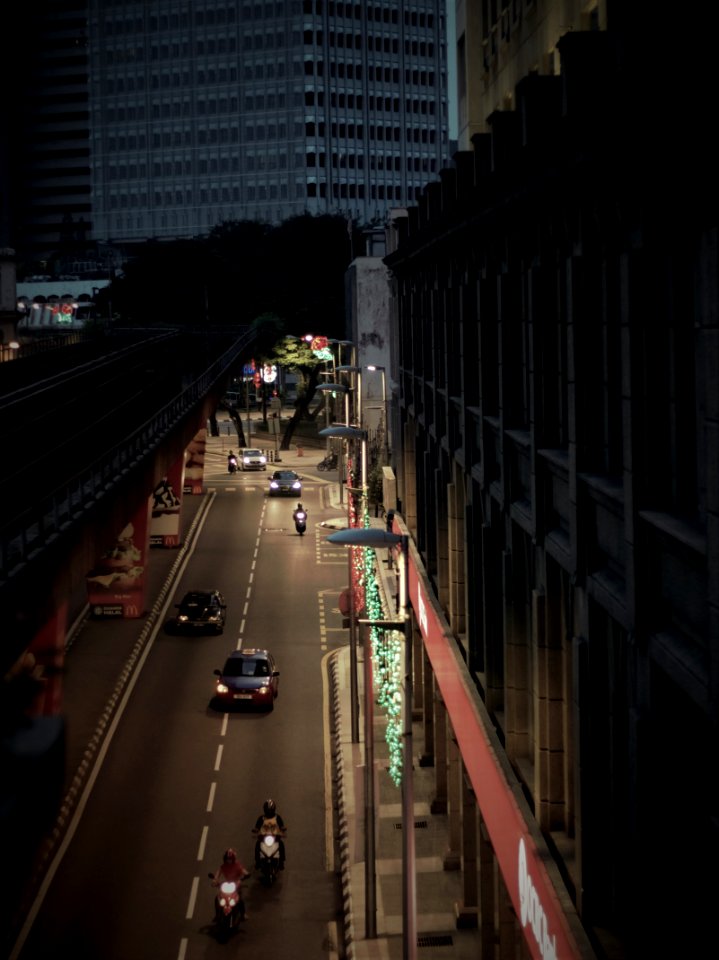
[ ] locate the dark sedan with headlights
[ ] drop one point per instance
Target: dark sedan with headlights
(249, 677)
(285, 483)
(200, 611)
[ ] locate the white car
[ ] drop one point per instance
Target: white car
(251, 459)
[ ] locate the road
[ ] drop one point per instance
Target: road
(181, 781)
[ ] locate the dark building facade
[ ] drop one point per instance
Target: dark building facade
(557, 355)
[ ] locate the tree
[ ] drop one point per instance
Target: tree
(295, 355)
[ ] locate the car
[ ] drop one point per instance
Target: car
(201, 611)
(285, 483)
(252, 459)
(249, 676)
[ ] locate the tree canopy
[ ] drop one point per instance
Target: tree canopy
(240, 271)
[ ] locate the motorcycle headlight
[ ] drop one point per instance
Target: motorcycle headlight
(269, 839)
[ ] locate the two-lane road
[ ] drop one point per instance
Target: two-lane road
(180, 781)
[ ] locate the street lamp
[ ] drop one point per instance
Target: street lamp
(375, 537)
(336, 388)
(374, 368)
(351, 433)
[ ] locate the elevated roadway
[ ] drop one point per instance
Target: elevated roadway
(87, 430)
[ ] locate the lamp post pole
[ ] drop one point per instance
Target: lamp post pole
(370, 859)
(409, 887)
(372, 537)
(346, 432)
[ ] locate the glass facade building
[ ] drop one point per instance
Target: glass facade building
(215, 111)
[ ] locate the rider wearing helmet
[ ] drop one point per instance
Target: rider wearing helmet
(270, 818)
(231, 871)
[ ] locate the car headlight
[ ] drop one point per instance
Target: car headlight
(264, 689)
(222, 688)
(182, 618)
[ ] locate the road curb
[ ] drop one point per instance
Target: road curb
(343, 826)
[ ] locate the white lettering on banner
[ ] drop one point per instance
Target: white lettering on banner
(531, 909)
(422, 612)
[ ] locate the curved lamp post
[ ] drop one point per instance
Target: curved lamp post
(375, 537)
(336, 388)
(351, 433)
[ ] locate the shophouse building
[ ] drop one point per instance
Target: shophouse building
(555, 300)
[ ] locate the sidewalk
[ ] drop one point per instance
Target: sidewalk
(438, 889)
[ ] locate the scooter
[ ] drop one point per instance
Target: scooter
(300, 518)
(232, 464)
(229, 906)
(269, 856)
(329, 462)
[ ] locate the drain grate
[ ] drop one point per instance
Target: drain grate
(418, 825)
(440, 940)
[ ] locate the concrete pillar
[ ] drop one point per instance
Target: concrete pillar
(439, 804)
(426, 758)
(467, 911)
(487, 893)
(453, 856)
(195, 463)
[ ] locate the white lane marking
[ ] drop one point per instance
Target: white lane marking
(218, 758)
(327, 741)
(102, 752)
(203, 843)
(225, 721)
(183, 949)
(211, 798)
(193, 898)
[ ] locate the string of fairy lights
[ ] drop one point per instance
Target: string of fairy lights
(386, 645)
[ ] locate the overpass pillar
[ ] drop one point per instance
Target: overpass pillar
(195, 463)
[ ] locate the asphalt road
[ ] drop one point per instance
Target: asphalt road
(180, 781)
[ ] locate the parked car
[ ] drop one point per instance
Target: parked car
(252, 459)
(249, 676)
(285, 483)
(201, 611)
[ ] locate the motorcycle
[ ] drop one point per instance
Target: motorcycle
(300, 518)
(269, 852)
(232, 464)
(329, 462)
(229, 906)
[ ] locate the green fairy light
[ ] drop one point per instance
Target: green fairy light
(387, 649)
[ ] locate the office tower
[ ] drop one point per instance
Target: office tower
(47, 189)
(216, 111)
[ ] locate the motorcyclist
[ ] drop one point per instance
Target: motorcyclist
(270, 820)
(299, 509)
(231, 871)
(231, 461)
